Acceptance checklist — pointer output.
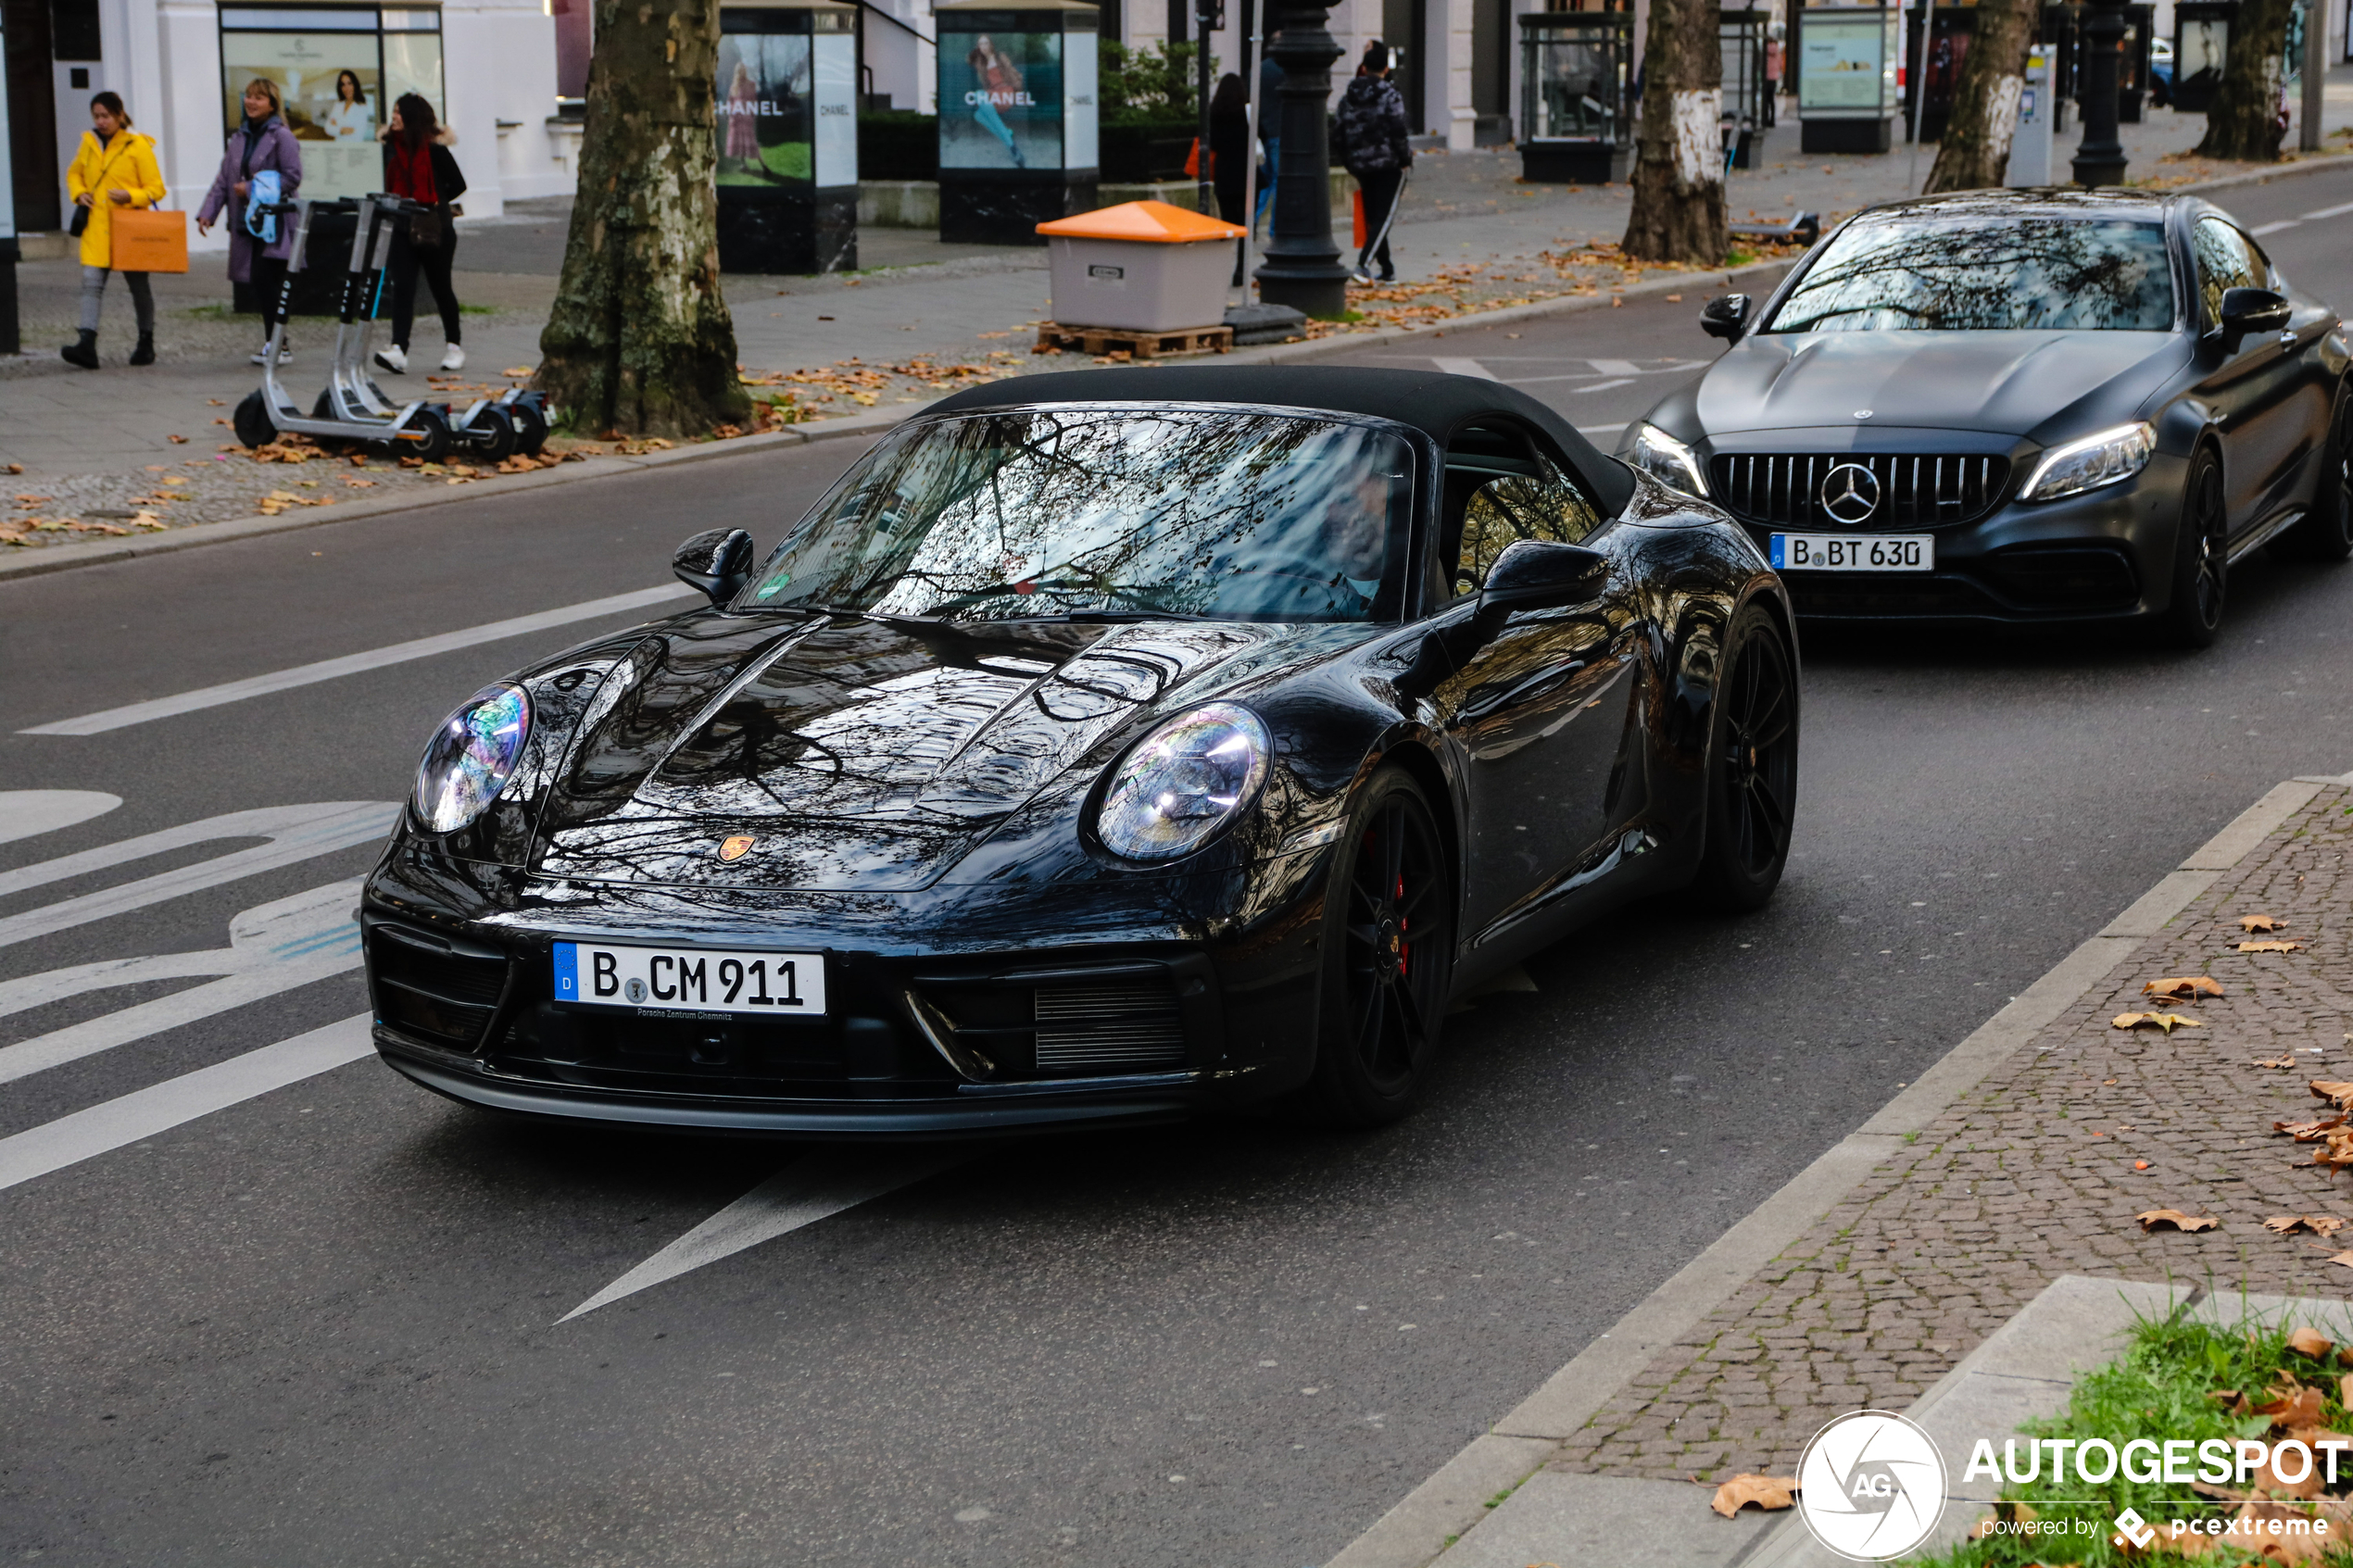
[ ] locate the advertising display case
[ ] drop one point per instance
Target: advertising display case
(1951, 28)
(788, 103)
(339, 70)
(1018, 131)
(1847, 90)
(2201, 42)
(1576, 119)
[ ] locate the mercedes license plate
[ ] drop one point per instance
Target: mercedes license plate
(1854, 552)
(690, 982)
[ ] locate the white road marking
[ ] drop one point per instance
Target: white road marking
(85, 1134)
(295, 832)
(25, 812)
(1615, 367)
(1604, 430)
(1597, 386)
(811, 1188)
(2275, 228)
(273, 948)
(2337, 211)
(1462, 368)
(355, 664)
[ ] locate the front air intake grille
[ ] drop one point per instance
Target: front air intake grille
(1784, 490)
(429, 986)
(1127, 1019)
(2082, 579)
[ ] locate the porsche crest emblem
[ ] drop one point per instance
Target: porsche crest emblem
(735, 848)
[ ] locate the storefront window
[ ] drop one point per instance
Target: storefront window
(339, 70)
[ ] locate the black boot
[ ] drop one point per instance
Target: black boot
(83, 352)
(145, 352)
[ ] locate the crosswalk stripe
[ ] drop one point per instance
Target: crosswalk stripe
(85, 1134)
(354, 664)
(25, 812)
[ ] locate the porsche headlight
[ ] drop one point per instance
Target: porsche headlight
(471, 758)
(1188, 779)
(2091, 462)
(1665, 459)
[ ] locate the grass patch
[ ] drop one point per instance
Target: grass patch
(2157, 1390)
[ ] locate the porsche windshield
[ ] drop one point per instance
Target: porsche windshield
(1976, 275)
(1094, 512)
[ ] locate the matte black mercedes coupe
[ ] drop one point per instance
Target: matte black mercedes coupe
(1105, 746)
(2022, 406)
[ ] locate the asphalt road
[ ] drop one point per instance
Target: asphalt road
(321, 1325)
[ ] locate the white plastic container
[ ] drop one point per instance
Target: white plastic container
(1140, 267)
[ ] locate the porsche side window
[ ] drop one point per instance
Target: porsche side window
(1509, 507)
(2225, 261)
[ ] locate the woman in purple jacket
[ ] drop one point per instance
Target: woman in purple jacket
(261, 143)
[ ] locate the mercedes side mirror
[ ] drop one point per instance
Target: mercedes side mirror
(1725, 315)
(716, 562)
(1535, 574)
(2253, 310)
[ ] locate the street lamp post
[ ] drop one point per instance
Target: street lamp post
(2101, 159)
(1302, 268)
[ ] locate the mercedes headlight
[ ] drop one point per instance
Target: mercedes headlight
(1665, 459)
(1186, 781)
(471, 757)
(2091, 462)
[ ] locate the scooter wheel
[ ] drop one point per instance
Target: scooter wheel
(531, 427)
(492, 434)
(434, 426)
(252, 422)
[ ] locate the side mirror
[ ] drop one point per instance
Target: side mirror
(1725, 315)
(2253, 310)
(717, 562)
(1534, 574)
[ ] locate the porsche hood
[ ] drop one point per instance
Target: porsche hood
(2007, 383)
(853, 755)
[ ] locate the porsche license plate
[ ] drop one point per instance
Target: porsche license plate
(687, 982)
(1854, 552)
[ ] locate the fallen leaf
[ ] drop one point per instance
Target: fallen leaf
(2261, 922)
(520, 371)
(1674, 299)
(2173, 1219)
(2288, 1061)
(2183, 988)
(2344, 1258)
(2319, 1225)
(15, 467)
(2332, 1089)
(2312, 1341)
(2169, 1022)
(1763, 1491)
(218, 402)
(2270, 946)
(175, 479)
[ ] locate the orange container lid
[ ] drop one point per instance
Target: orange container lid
(1151, 223)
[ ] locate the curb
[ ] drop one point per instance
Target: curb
(65, 558)
(1447, 1505)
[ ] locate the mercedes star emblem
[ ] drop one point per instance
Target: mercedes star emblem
(1850, 493)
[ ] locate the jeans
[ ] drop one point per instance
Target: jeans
(406, 261)
(93, 288)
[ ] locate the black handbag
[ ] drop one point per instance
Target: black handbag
(429, 229)
(81, 220)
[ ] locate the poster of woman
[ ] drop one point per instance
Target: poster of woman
(1000, 101)
(763, 109)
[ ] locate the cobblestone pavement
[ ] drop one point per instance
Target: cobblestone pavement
(2039, 1171)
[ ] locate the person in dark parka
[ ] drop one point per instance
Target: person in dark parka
(260, 143)
(1372, 144)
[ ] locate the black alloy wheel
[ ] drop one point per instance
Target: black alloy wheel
(1389, 956)
(1751, 768)
(2201, 557)
(2326, 532)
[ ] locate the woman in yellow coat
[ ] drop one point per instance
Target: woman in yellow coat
(116, 167)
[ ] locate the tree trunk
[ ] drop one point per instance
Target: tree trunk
(1975, 152)
(640, 339)
(1678, 161)
(2241, 122)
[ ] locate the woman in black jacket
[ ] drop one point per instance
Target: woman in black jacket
(1374, 147)
(1229, 153)
(419, 165)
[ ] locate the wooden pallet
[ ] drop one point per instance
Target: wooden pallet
(1135, 344)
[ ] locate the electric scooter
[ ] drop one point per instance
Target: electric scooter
(351, 408)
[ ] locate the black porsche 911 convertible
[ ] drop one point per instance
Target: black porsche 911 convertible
(2022, 406)
(1103, 746)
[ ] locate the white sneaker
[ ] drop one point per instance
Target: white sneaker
(261, 356)
(393, 359)
(455, 359)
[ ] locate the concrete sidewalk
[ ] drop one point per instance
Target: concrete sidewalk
(1970, 1203)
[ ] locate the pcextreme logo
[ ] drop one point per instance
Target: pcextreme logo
(1870, 1486)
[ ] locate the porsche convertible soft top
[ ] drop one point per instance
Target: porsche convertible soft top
(1431, 401)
